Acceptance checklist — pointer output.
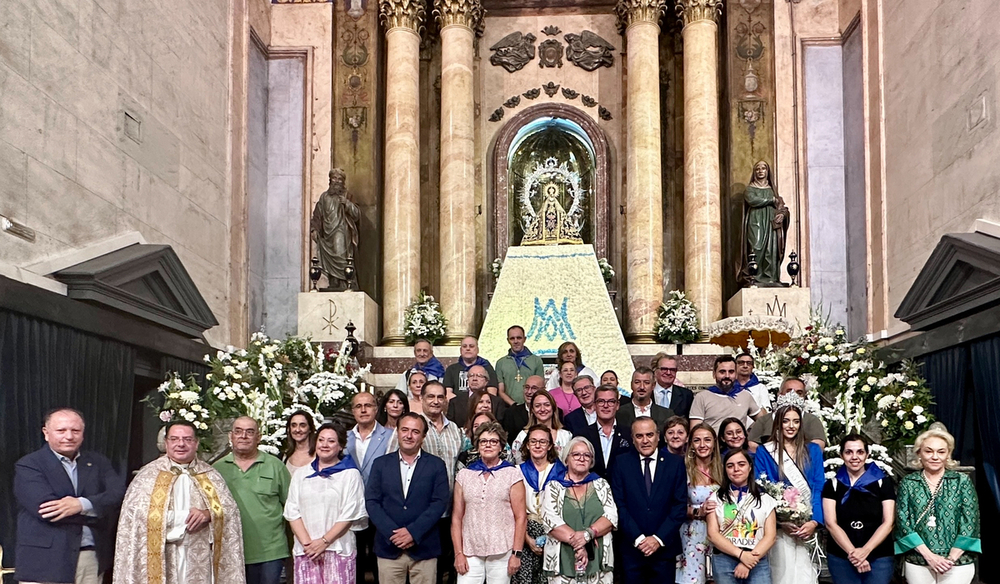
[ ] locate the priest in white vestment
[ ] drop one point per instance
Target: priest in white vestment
(179, 522)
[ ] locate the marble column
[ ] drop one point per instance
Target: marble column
(643, 179)
(702, 203)
(401, 217)
(458, 20)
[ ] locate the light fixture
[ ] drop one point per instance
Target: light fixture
(14, 228)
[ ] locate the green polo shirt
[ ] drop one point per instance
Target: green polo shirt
(513, 377)
(260, 493)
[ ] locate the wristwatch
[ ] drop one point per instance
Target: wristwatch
(517, 553)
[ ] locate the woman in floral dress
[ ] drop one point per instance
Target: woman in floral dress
(704, 469)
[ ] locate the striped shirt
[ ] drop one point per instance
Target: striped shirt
(445, 444)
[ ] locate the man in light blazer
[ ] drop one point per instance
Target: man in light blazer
(406, 495)
(650, 490)
(366, 441)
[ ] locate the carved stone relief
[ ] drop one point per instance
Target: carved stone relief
(589, 51)
(550, 53)
(513, 51)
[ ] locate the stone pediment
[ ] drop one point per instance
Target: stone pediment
(961, 276)
(143, 280)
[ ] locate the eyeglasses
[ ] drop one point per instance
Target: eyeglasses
(489, 442)
(248, 432)
(668, 369)
(584, 387)
(582, 455)
(606, 402)
(184, 439)
(538, 442)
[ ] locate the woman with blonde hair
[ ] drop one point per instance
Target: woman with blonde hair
(937, 516)
(542, 410)
(704, 470)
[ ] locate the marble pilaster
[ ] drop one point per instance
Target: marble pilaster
(458, 20)
(702, 204)
(644, 182)
(401, 226)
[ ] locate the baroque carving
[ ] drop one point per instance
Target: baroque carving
(695, 10)
(604, 113)
(468, 13)
(497, 115)
(588, 101)
(513, 102)
(532, 93)
(551, 30)
(630, 12)
(402, 14)
(513, 51)
(550, 88)
(550, 53)
(569, 93)
(589, 51)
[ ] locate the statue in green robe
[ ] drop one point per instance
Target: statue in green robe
(765, 227)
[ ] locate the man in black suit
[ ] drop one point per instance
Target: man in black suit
(406, 495)
(579, 419)
(515, 417)
(641, 403)
(667, 393)
(67, 502)
(608, 437)
(650, 490)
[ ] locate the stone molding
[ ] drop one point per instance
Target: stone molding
(467, 13)
(695, 10)
(630, 12)
(402, 14)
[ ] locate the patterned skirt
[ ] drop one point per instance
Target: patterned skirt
(330, 568)
(530, 571)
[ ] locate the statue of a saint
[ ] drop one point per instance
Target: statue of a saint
(765, 225)
(334, 227)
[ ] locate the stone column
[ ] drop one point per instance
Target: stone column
(459, 20)
(401, 219)
(702, 204)
(643, 179)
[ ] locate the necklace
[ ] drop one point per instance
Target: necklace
(932, 520)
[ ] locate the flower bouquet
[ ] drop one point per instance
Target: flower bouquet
(423, 320)
(607, 272)
(677, 320)
(792, 506)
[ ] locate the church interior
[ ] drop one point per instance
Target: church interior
(177, 176)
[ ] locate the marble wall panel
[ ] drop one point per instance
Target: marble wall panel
(15, 36)
(257, 162)
(824, 143)
(856, 227)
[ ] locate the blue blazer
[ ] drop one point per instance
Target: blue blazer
(575, 422)
(48, 551)
(764, 464)
(660, 513)
(376, 448)
(419, 512)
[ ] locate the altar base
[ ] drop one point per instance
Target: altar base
(323, 316)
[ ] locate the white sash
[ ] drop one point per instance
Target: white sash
(791, 471)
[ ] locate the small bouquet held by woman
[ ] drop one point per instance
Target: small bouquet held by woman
(793, 510)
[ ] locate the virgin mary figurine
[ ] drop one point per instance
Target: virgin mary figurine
(765, 225)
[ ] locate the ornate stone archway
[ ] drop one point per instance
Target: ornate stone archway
(499, 157)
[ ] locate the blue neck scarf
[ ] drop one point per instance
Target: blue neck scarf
(872, 474)
(483, 469)
(432, 368)
(344, 464)
(750, 382)
(556, 473)
(520, 357)
(567, 482)
(732, 392)
(740, 491)
(479, 361)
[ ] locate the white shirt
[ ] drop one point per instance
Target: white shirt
(406, 472)
(321, 502)
(662, 395)
(361, 444)
(652, 473)
(534, 500)
(643, 411)
(607, 442)
(591, 416)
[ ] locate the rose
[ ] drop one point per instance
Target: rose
(165, 415)
(908, 425)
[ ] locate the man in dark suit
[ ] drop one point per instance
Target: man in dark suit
(458, 406)
(650, 490)
(515, 417)
(609, 438)
(641, 403)
(667, 393)
(406, 495)
(579, 419)
(366, 442)
(67, 502)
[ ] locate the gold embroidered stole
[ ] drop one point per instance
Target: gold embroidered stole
(155, 523)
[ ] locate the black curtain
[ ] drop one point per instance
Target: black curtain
(44, 365)
(948, 375)
(986, 375)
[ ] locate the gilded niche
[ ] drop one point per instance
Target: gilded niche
(543, 218)
(513, 51)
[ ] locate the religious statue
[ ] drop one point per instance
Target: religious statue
(765, 226)
(550, 223)
(334, 227)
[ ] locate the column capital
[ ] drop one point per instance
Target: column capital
(694, 10)
(468, 13)
(402, 14)
(630, 12)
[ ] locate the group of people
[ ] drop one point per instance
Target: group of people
(479, 473)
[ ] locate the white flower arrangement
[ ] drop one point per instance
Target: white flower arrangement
(495, 268)
(423, 320)
(677, 320)
(607, 272)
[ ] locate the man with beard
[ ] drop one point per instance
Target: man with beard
(723, 400)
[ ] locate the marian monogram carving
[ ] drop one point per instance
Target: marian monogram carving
(513, 51)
